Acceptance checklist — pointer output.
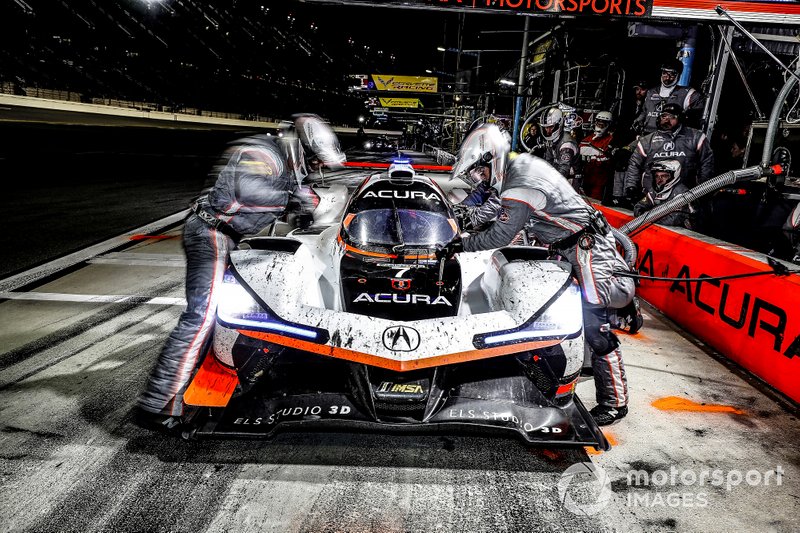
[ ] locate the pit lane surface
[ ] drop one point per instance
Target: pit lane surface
(77, 348)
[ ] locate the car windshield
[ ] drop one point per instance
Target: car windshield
(409, 227)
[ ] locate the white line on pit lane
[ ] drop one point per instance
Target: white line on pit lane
(140, 259)
(88, 298)
(35, 274)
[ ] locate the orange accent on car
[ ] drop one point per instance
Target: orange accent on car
(388, 256)
(367, 164)
(391, 364)
(213, 385)
(565, 389)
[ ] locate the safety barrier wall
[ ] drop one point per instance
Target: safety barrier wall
(753, 321)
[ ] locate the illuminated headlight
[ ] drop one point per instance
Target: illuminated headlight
(237, 309)
(562, 317)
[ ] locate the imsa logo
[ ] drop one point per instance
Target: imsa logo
(402, 388)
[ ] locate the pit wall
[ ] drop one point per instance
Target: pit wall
(753, 321)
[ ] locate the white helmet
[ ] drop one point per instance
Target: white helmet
(602, 116)
(552, 117)
(311, 137)
(671, 166)
(485, 146)
(318, 138)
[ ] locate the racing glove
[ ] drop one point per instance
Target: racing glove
(450, 249)
(633, 194)
(304, 220)
(463, 215)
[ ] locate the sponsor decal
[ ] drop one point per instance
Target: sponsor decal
(476, 414)
(421, 84)
(414, 299)
(401, 338)
(401, 284)
(752, 321)
(626, 8)
(294, 412)
(400, 102)
(402, 195)
(403, 388)
(669, 154)
(503, 215)
(403, 268)
(668, 146)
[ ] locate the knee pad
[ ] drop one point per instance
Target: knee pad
(601, 340)
(597, 330)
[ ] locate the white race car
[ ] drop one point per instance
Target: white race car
(357, 325)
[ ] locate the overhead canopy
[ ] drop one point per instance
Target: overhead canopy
(779, 12)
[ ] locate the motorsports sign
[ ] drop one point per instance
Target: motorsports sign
(629, 8)
(400, 102)
(416, 84)
(618, 8)
(781, 12)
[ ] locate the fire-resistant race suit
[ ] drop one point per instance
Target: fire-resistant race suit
(536, 195)
(690, 100)
(251, 191)
(479, 206)
(563, 154)
(686, 145)
(682, 218)
(598, 166)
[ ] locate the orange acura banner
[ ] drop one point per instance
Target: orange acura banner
(753, 321)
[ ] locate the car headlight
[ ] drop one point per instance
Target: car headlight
(236, 309)
(563, 317)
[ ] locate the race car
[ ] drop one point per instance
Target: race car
(358, 325)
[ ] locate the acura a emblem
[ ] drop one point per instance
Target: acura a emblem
(401, 284)
(669, 146)
(401, 338)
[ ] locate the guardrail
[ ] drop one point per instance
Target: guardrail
(441, 156)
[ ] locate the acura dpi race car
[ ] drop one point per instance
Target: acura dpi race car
(356, 325)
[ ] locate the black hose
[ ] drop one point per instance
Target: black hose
(628, 248)
(707, 278)
(682, 200)
(774, 119)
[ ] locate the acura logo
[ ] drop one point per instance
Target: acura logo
(401, 338)
(401, 284)
(669, 146)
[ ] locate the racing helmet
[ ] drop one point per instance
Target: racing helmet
(669, 166)
(674, 66)
(310, 138)
(485, 146)
(602, 116)
(672, 109)
(551, 118)
(318, 138)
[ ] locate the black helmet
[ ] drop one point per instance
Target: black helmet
(675, 67)
(672, 109)
(672, 64)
